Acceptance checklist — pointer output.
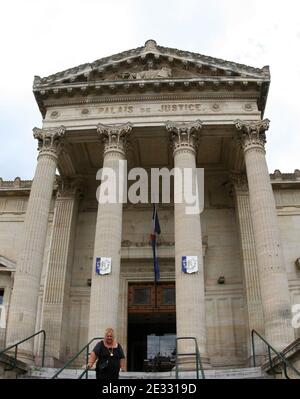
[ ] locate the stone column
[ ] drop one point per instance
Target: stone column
(272, 273)
(58, 280)
(24, 301)
(249, 261)
(190, 294)
(105, 288)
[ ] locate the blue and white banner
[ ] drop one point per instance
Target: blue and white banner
(189, 264)
(103, 265)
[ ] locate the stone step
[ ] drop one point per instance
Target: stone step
(237, 373)
(9, 368)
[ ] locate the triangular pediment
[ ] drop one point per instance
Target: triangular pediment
(152, 62)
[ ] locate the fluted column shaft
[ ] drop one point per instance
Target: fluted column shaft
(105, 288)
(58, 280)
(190, 294)
(272, 273)
(248, 257)
(23, 307)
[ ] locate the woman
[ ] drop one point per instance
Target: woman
(109, 355)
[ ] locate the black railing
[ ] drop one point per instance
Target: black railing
(86, 370)
(196, 354)
(20, 342)
(285, 362)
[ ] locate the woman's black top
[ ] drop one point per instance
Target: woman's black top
(108, 363)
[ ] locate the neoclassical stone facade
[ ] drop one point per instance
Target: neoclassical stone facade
(154, 107)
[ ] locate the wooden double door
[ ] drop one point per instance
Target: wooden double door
(151, 326)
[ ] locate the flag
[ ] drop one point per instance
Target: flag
(153, 236)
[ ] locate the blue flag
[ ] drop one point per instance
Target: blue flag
(153, 236)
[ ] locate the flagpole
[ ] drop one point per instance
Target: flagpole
(155, 231)
(155, 286)
(155, 293)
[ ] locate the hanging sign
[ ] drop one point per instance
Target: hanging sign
(103, 265)
(189, 264)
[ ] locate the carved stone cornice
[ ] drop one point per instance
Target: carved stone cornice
(114, 136)
(155, 51)
(16, 184)
(284, 177)
(156, 68)
(49, 140)
(252, 133)
(184, 135)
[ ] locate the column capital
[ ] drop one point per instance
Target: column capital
(239, 182)
(70, 187)
(49, 139)
(184, 135)
(114, 136)
(252, 133)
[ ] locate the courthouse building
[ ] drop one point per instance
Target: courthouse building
(154, 107)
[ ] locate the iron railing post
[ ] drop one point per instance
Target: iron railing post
(87, 360)
(44, 346)
(253, 348)
(196, 353)
(75, 357)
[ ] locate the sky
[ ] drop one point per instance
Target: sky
(42, 37)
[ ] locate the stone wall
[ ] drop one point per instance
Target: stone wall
(226, 313)
(225, 303)
(288, 207)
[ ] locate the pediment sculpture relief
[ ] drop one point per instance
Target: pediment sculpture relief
(163, 72)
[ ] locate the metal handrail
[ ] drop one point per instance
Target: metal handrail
(286, 363)
(87, 348)
(23, 340)
(196, 353)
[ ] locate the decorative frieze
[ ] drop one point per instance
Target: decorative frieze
(140, 54)
(287, 198)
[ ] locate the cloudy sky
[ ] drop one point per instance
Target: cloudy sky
(41, 37)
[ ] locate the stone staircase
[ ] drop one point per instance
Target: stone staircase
(11, 369)
(236, 373)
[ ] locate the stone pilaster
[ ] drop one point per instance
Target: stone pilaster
(58, 279)
(190, 295)
(272, 273)
(105, 288)
(248, 257)
(24, 301)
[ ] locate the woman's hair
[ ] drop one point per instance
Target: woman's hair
(110, 330)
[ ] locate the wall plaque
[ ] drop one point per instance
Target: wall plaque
(189, 264)
(103, 265)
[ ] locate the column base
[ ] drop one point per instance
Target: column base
(259, 360)
(50, 361)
